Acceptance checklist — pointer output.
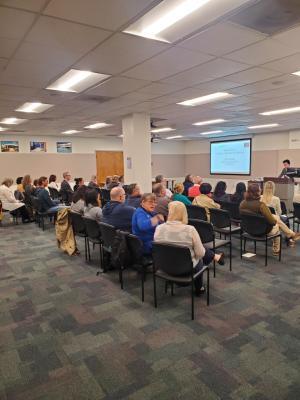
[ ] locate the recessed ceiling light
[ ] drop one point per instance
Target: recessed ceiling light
(210, 132)
(282, 111)
(159, 130)
(12, 121)
(77, 81)
(174, 137)
(3, 129)
(210, 122)
(121, 136)
(98, 125)
(296, 73)
(206, 99)
(36, 107)
(70, 132)
(263, 126)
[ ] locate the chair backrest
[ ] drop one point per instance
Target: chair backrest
(135, 247)
(92, 228)
(255, 225)
(220, 218)
(108, 233)
(232, 208)
(54, 193)
(105, 196)
(78, 223)
(196, 212)
(296, 210)
(204, 229)
(172, 259)
(283, 207)
(35, 203)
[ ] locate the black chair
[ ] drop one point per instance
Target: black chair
(79, 229)
(105, 196)
(41, 215)
(174, 264)
(256, 228)
(296, 216)
(207, 235)
(138, 260)
(94, 236)
(283, 207)
(222, 222)
(196, 212)
(233, 209)
(54, 193)
(108, 233)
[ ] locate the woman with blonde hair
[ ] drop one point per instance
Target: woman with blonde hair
(269, 199)
(178, 196)
(177, 231)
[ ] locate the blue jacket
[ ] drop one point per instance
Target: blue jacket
(118, 215)
(143, 229)
(45, 200)
(133, 201)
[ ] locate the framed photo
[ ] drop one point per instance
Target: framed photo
(37, 147)
(64, 147)
(9, 146)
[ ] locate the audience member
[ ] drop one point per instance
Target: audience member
(29, 190)
(92, 209)
(114, 182)
(65, 189)
(253, 205)
(239, 194)
(19, 192)
(162, 201)
(46, 204)
(121, 180)
(108, 180)
(194, 190)
(178, 196)
(269, 199)
(220, 192)
(161, 179)
(177, 231)
(205, 199)
(52, 182)
(78, 182)
(145, 220)
(116, 212)
(188, 182)
(134, 195)
(78, 202)
(93, 183)
(10, 203)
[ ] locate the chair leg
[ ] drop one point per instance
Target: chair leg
(207, 289)
(172, 288)
(245, 245)
(88, 249)
(241, 246)
(100, 262)
(255, 246)
(85, 248)
(166, 287)
(121, 277)
(193, 298)
(154, 289)
(214, 268)
(143, 284)
(266, 252)
(43, 223)
(280, 248)
(230, 256)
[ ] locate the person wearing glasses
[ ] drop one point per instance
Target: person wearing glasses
(116, 212)
(65, 189)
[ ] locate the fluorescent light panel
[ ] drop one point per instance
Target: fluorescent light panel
(210, 132)
(206, 99)
(35, 107)
(12, 121)
(77, 81)
(266, 126)
(70, 132)
(3, 129)
(210, 122)
(166, 129)
(98, 125)
(296, 73)
(174, 137)
(282, 111)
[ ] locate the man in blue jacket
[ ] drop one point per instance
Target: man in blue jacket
(46, 204)
(116, 212)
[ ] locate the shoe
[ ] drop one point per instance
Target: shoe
(291, 243)
(276, 253)
(222, 259)
(296, 236)
(202, 290)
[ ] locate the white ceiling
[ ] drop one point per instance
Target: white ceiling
(42, 39)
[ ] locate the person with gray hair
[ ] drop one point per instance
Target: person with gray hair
(65, 189)
(116, 212)
(93, 183)
(162, 201)
(161, 179)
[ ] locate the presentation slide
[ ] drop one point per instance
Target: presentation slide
(231, 157)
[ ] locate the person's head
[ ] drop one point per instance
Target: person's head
(159, 179)
(94, 178)
(92, 197)
(26, 180)
(52, 178)
(19, 180)
(7, 182)
(269, 190)
(79, 194)
(148, 202)
(159, 190)
(189, 178)
(43, 181)
(134, 190)
(197, 180)
(178, 188)
(115, 179)
(35, 182)
(177, 212)
(253, 192)
(286, 163)
(240, 188)
(67, 176)
(117, 194)
(220, 189)
(108, 180)
(79, 181)
(121, 179)
(205, 188)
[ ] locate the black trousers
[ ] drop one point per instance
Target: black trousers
(206, 260)
(22, 211)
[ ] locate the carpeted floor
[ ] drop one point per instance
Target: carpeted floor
(66, 333)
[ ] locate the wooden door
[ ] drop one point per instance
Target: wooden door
(109, 163)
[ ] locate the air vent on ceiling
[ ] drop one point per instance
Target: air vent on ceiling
(269, 16)
(94, 99)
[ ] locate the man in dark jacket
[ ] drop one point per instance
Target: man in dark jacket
(46, 204)
(134, 195)
(116, 212)
(65, 189)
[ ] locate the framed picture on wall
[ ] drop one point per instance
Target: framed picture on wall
(36, 147)
(9, 146)
(64, 147)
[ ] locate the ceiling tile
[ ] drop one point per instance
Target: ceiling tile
(14, 23)
(286, 65)
(159, 89)
(252, 75)
(7, 47)
(117, 86)
(30, 5)
(289, 38)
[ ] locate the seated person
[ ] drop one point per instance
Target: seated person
(188, 182)
(269, 199)
(46, 204)
(220, 192)
(19, 192)
(205, 199)
(161, 179)
(145, 220)
(78, 183)
(239, 194)
(92, 209)
(162, 201)
(194, 191)
(78, 202)
(178, 196)
(10, 203)
(253, 205)
(116, 212)
(52, 182)
(66, 191)
(93, 183)
(134, 195)
(177, 231)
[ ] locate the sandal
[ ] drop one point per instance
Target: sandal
(222, 259)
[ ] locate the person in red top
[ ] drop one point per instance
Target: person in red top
(194, 191)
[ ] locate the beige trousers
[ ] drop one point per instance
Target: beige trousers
(280, 226)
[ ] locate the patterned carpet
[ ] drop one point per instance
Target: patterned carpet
(66, 333)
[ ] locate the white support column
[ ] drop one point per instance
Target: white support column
(137, 150)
